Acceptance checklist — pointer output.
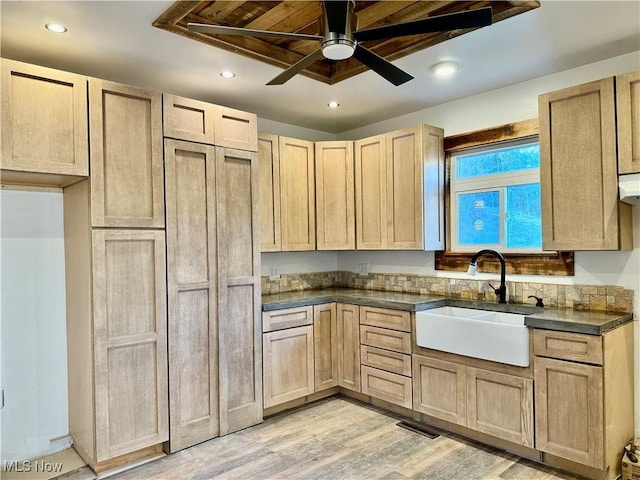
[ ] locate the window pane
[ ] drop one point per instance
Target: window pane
(479, 218)
(524, 228)
(500, 160)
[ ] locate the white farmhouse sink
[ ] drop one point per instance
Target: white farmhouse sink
(497, 336)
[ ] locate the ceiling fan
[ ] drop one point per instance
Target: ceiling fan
(341, 40)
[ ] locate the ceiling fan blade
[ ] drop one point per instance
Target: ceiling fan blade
(336, 12)
(381, 66)
(480, 17)
(296, 68)
(247, 32)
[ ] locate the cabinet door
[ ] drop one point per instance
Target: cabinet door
(348, 347)
(288, 365)
(325, 341)
(240, 333)
(628, 113)
(335, 226)
(371, 193)
(44, 120)
(578, 171)
(433, 187)
(297, 195)
(130, 341)
(235, 128)
(500, 405)
(439, 389)
(187, 119)
(127, 184)
(191, 284)
(404, 189)
(569, 410)
(269, 160)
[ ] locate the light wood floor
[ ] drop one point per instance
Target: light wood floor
(339, 439)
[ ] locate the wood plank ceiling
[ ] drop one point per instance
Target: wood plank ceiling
(300, 16)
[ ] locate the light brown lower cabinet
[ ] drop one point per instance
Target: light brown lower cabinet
(325, 341)
(116, 324)
(387, 386)
(584, 396)
(500, 405)
(349, 346)
(569, 410)
(439, 389)
(288, 364)
(494, 403)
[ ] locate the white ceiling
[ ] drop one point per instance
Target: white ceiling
(115, 41)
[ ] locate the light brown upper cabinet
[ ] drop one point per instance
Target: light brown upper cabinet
(371, 193)
(297, 195)
(269, 161)
(127, 178)
(196, 121)
(44, 125)
(400, 190)
(578, 170)
(628, 111)
(415, 188)
(335, 222)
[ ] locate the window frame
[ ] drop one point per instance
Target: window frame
(488, 183)
(546, 263)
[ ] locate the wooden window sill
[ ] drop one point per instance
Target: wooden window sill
(553, 263)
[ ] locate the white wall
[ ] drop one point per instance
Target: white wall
(32, 315)
(278, 128)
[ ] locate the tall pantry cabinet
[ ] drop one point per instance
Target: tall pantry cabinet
(215, 367)
(115, 281)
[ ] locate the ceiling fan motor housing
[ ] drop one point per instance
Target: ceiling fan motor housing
(338, 43)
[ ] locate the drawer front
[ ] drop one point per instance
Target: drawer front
(287, 318)
(382, 317)
(385, 338)
(387, 386)
(568, 346)
(393, 362)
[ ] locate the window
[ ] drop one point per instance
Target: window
(495, 198)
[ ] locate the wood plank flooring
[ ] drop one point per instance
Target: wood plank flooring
(338, 438)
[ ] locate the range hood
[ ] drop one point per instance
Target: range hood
(629, 186)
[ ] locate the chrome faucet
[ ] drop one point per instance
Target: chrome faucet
(501, 291)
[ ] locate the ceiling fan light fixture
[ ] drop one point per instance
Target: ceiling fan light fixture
(338, 48)
(444, 69)
(55, 27)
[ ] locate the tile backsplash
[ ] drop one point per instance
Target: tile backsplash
(580, 297)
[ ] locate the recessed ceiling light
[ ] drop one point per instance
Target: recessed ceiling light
(227, 74)
(444, 69)
(55, 27)
(333, 104)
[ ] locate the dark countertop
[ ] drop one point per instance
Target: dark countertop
(561, 319)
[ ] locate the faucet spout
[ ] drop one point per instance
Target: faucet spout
(501, 291)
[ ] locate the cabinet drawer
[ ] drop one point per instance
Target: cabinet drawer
(387, 386)
(288, 318)
(393, 362)
(385, 338)
(381, 317)
(568, 346)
